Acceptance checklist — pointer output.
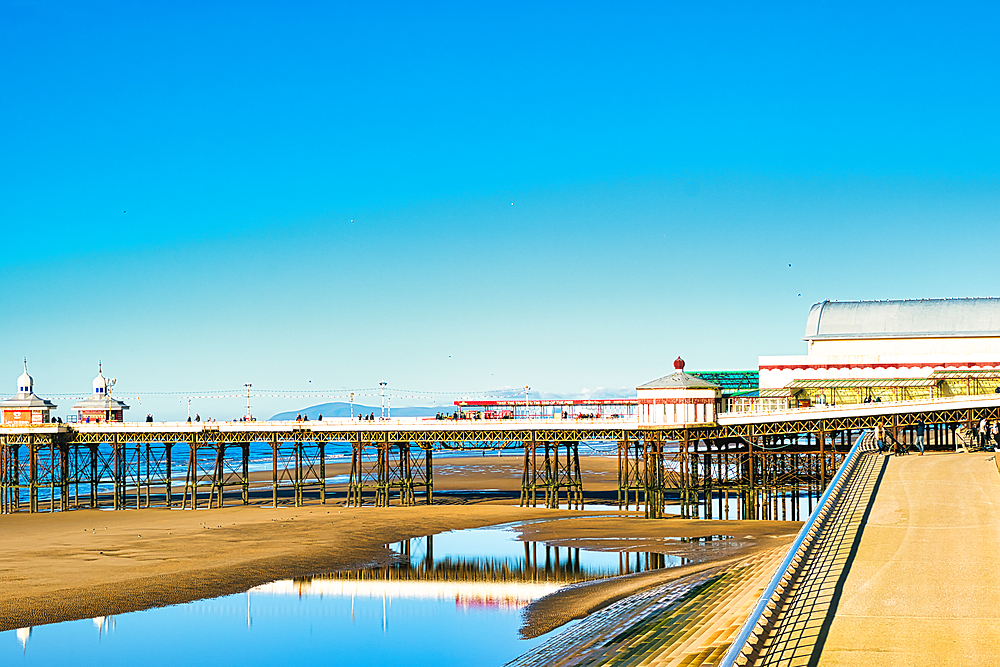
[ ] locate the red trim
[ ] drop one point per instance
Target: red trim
(536, 403)
(676, 401)
(944, 364)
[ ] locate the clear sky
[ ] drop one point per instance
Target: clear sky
(467, 196)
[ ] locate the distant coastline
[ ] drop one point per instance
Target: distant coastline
(341, 409)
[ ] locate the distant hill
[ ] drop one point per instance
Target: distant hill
(344, 410)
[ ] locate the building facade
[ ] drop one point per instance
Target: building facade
(678, 399)
(891, 339)
(24, 407)
(100, 407)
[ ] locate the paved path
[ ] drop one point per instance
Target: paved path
(924, 585)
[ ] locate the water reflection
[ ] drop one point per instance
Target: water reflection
(466, 586)
(479, 567)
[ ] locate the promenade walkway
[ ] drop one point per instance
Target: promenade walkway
(923, 587)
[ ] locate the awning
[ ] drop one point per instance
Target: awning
(779, 392)
(850, 383)
(966, 375)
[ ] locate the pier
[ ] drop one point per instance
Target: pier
(892, 562)
(743, 465)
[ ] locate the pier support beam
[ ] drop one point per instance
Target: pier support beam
(558, 477)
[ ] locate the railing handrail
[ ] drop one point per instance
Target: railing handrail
(939, 400)
(836, 483)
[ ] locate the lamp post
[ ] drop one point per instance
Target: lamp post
(382, 384)
(247, 385)
(526, 390)
(352, 405)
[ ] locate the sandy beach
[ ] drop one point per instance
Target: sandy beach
(87, 563)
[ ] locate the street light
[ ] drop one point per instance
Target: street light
(382, 384)
(352, 405)
(526, 390)
(247, 385)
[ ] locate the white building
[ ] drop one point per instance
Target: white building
(101, 407)
(24, 407)
(891, 339)
(678, 399)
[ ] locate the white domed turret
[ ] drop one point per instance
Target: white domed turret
(25, 385)
(100, 384)
(100, 406)
(24, 408)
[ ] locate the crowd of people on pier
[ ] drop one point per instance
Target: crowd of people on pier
(899, 448)
(984, 434)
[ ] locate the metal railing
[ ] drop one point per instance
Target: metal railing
(770, 408)
(754, 628)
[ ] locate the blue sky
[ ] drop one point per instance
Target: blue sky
(466, 196)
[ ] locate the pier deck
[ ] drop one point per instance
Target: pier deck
(745, 465)
(923, 586)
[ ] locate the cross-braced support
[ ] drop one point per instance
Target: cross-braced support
(558, 473)
(388, 469)
(642, 474)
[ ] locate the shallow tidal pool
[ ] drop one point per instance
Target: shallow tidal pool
(453, 598)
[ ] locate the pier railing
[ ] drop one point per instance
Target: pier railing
(754, 630)
(778, 407)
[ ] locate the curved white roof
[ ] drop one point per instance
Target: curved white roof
(25, 384)
(923, 318)
(100, 384)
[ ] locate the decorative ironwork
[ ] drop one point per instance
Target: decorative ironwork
(759, 469)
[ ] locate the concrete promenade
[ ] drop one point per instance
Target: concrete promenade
(924, 585)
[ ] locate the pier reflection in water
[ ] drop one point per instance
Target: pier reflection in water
(485, 567)
(452, 598)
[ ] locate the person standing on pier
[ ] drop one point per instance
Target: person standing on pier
(920, 436)
(878, 438)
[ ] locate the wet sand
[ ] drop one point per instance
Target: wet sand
(488, 472)
(748, 538)
(87, 563)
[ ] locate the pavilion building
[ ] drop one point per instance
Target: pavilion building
(890, 350)
(100, 406)
(678, 399)
(24, 407)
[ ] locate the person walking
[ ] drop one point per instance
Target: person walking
(878, 438)
(995, 432)
(920, 436)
